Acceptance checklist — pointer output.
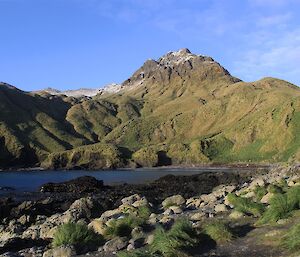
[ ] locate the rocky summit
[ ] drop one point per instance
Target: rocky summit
(182, 109)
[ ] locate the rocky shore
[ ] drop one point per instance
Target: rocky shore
(27, 228)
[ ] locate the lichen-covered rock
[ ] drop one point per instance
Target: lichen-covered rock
(175, 200)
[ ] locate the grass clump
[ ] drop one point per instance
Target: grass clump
(260, 192)
(291, 240)
(122, 227)
(218, 231)
(75, 234)
(172, 243)
(281, 205)
(274, 189)
(246, 205)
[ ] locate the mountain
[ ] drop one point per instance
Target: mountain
(180, 109)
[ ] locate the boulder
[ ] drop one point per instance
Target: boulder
(210, 198)
(175, 200)
(266, 198)
(62, 251)
(198, 216)
(236, 215)
(131, 199)
(193, 203)
(176, 209)
(115, 244)
(98, 226)
(220, 208)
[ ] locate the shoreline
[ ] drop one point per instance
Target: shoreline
(187, 167)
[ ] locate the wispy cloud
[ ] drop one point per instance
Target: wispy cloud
(279, 56)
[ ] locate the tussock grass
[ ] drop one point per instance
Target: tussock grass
(122, 227)
(260, 192)
(78, 235)
(246, 205)
(218, 231)
(172, 243)
(281, 205)
(291, 240)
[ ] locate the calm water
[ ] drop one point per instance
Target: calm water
(30, 181)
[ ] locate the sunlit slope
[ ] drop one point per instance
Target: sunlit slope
(179, 109)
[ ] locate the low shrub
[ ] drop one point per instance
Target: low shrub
(245, 205)
(78, 235)
(172, 243)
(218, 231)
(291, 240)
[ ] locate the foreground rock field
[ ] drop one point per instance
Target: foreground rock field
(249, 216)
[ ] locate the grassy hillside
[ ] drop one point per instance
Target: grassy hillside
(180, 109)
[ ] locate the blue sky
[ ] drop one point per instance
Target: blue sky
(69, 44)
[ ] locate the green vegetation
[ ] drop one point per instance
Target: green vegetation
(86, 157)
(168, 243)
(76, 234)
(204, 115)
(274, 189)
(123, 227)
(291, 239)
(219, 231)
(246, 205)
(172, 243)
(281, 205)
(146, 157)
(260, 192)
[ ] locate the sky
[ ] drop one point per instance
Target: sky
(69, 44)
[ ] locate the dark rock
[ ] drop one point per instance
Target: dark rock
(79, 185)
(15, 244)
(116, 244)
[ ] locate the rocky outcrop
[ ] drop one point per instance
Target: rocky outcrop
(79, 185)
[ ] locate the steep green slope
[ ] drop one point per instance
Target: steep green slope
(31, 126)
(180, 109)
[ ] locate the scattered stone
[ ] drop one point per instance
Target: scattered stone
(115, 244)
(62, 251)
